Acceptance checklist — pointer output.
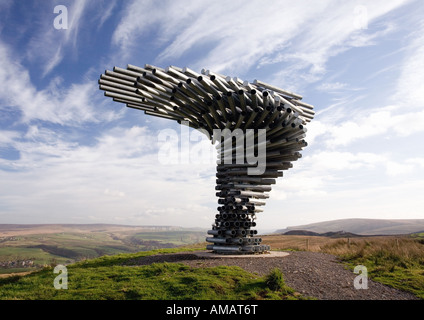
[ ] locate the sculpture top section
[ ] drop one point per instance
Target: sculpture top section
(205, 101)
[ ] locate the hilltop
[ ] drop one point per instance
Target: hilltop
(363, 226)
(332, 234)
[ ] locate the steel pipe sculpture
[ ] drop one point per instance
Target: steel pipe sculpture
(265, 130)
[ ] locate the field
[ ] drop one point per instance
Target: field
(397, 261)
(27, 249)
(96, 265)
(294, 243)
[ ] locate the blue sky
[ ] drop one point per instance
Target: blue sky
(70, 155)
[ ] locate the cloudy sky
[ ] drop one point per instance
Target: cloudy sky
(70, 155)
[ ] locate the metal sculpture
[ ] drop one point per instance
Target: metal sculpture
(247, 120)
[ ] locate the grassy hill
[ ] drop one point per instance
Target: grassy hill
(28, 247)
(363, 226)
(395, 261)
(113, 278)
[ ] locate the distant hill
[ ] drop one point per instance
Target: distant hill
(363, 226)
(25, 229)
(337, 234)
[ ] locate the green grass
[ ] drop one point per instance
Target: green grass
(106, 278)
(419, 235)
(397, 262)
(175, 237)
(131, 258)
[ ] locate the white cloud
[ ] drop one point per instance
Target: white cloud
(394, 169)
(365, 124)
(403, 118)
(315, 128)
(117, 177)
(240, 34)
(331, 31)
(330, 161)
(70, 106)
(330, 172)
(114, 193)
(416, 161)
(48, 45)
(7, 137)
(331, 86)
(104, 15)
(410, 86)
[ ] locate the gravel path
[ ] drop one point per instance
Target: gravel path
(312, 274)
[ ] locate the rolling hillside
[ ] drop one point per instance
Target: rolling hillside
(363, 226)
(28, 247)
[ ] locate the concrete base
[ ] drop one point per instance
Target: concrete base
(211, 255)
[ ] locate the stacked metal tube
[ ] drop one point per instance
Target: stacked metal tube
(211, 103)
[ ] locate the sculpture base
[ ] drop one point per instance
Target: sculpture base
(239, 250)
(264, 255)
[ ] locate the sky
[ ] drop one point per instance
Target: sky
(70, 155)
